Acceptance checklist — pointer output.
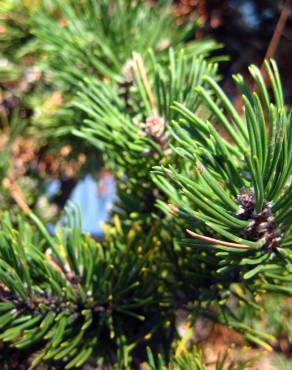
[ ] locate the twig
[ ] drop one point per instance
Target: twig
(145, 81)
(17, 195)
(277, 33)
(271, 48)
(217, 241)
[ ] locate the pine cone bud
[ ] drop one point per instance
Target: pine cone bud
(154, 129)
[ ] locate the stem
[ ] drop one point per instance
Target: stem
(17, 194)
(145, 81)
(277, 33)
(217, 241)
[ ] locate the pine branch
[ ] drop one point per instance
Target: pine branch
(237, 191)
(75, 304)
(98, 38)
(133, 134)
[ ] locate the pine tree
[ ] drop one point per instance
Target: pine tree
(97, 39)
(203, 217)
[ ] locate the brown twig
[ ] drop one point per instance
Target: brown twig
(217, 241)
(141, 69)
(277, 33)
(271, 48)
(17, 194)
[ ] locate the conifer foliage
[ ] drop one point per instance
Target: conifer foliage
(236, 193)
(202, 220)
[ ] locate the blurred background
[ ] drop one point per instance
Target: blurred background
(250, 30)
